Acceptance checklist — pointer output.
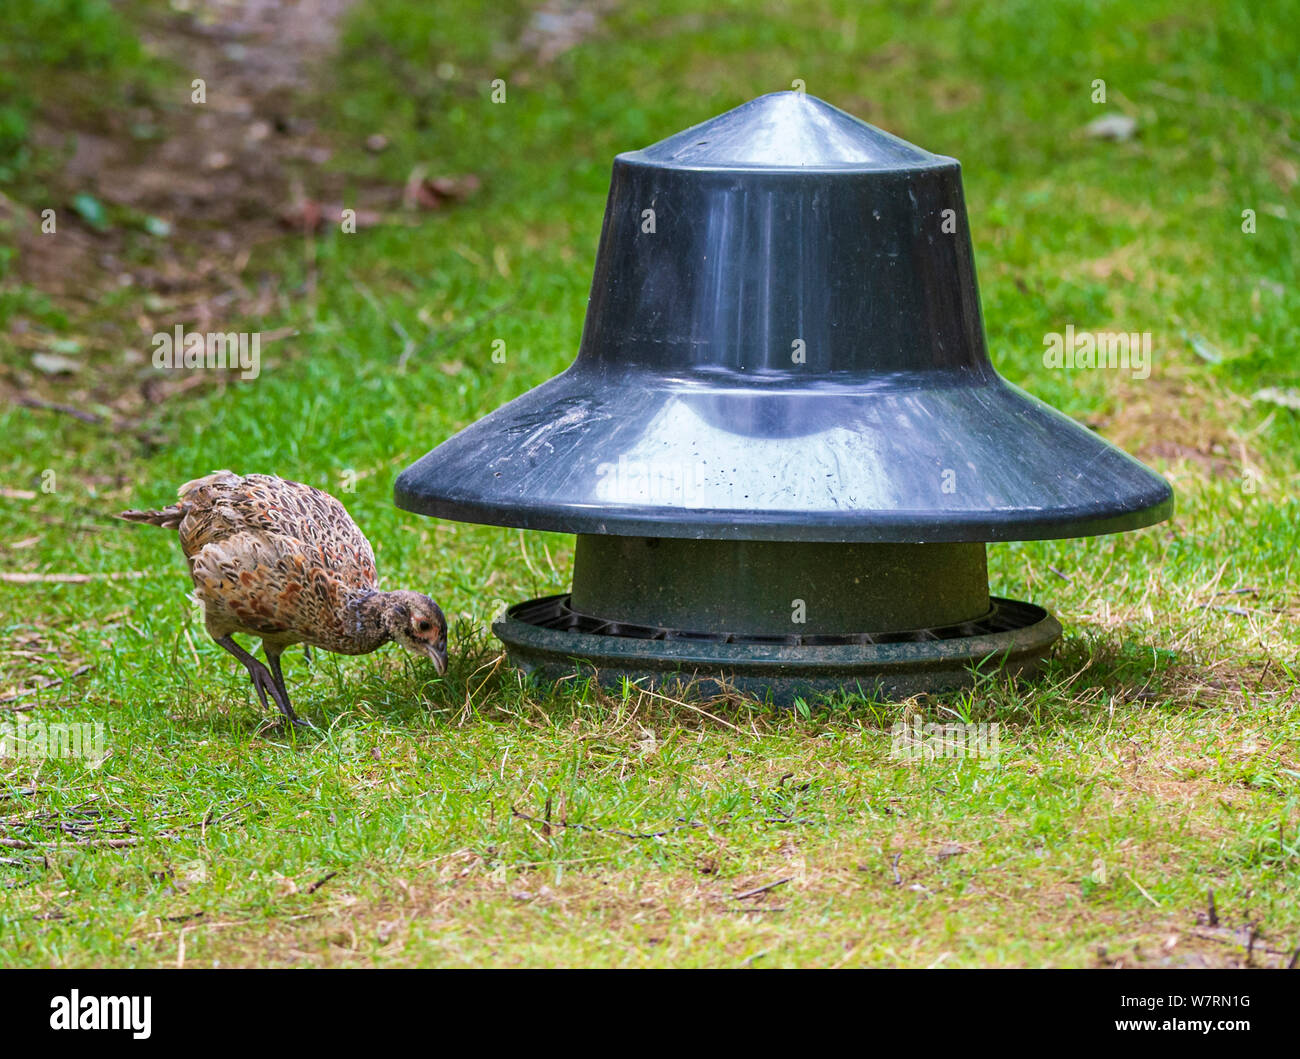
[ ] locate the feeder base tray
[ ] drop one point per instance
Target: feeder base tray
(550, 639)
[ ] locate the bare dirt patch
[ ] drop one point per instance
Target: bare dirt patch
(215, 172)
(1179, 416)
(191, 192)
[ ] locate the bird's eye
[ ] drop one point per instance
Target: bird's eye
(424, 626)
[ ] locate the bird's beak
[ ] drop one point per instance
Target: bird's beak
(439, 656)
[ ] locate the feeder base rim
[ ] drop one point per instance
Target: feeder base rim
(780, 672)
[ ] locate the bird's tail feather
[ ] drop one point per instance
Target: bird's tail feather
(168, 517)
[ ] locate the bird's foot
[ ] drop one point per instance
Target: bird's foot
(264, 685)
(268, 683)
(294, 725)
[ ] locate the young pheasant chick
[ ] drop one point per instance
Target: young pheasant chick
(285, 562)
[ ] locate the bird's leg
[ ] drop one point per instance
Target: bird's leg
(306, 653)
(263, 681)
(281, 692)
(261, 677)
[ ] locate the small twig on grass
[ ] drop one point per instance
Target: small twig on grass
(1141, 889)
(51, 682)
(24, 577)
(18, 792)
(547, 824)
(28, 401)
(679, 702)
(89, 843)
(208, 819)
(469, 695)
(229, 923)
(764, 889)
(67, 827)
(1236, 940)
(320, 882)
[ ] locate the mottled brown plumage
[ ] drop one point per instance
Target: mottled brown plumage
(285, 562)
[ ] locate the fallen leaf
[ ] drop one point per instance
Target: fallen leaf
(1288, 398)
(424, 193)
(1118, 127)
(1202, 348)
(91, 210)
(308, 215)
(53, 364)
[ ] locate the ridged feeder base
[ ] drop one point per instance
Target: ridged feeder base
(777, 619)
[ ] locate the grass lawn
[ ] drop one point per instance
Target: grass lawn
(475, 820)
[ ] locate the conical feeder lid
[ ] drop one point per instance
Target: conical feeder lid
(784, 342)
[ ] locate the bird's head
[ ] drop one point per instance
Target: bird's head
(416, 622)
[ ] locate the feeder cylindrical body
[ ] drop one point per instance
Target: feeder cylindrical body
(777, 588)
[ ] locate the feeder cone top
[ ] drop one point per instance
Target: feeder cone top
(785, 130)
(784, 342)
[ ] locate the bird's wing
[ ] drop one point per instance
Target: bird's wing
(272, 585)
(224, 504)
